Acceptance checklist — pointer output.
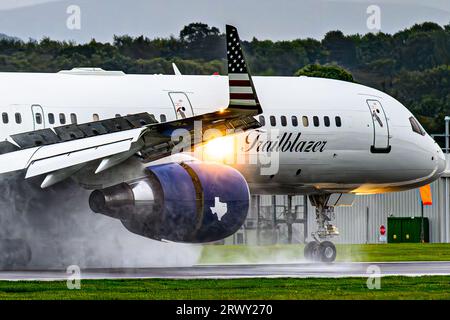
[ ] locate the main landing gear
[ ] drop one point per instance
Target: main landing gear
(321, 249)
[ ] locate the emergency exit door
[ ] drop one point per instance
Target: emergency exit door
(38, 117)
(181, 104)
(380, 128)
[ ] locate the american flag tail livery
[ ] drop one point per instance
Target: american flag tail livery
(242, 91)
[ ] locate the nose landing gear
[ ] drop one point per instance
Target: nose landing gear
(321, 249)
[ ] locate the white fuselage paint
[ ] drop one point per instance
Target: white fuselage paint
(322, 159)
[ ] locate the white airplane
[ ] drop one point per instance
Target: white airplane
(116, 134)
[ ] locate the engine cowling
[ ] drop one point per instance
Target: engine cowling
(184, 202)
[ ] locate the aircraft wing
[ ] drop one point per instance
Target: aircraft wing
(61, 151)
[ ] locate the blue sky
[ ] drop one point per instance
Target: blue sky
(281, 19)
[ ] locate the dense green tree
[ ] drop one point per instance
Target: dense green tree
(412, 65)
(201, 41)
(195, 32)
(327, 71)
(426, 93)
(342, 49)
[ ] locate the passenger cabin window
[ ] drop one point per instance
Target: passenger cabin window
(95, 117)
(262, 121)
(294, 121)
(51, 118)
(18, 117)
(273, 121)
(62, 118)
(416, 126)
(73, 118)
(326, 121)
(38, 117)
(305, 121)
(338, 121)
(163, 118)
(5, 118)
(283, 121)
(316, 121)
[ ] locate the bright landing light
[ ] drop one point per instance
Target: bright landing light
(220, 149)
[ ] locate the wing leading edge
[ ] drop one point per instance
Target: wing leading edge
(62, 151)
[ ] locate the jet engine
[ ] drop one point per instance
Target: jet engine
(183, 202)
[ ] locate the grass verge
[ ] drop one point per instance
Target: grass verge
(433, 287)
(216, 254)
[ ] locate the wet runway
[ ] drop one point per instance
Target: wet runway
(300, 270)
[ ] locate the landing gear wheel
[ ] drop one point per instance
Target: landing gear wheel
(310, 250)
(327, 251)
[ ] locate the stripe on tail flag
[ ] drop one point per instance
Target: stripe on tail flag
(242, 91)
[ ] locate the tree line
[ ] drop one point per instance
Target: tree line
(413, 65)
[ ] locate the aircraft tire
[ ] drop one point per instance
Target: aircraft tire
(310, 251)
(327, 251)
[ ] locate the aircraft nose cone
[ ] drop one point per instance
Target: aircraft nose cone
(442, 163)
(440, 160)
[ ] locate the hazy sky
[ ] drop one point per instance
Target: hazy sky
(277, 19)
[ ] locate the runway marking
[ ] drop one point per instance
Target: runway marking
(239, 271)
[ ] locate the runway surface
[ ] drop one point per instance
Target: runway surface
(300, 270)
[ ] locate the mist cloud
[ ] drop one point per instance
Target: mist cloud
(60, 229)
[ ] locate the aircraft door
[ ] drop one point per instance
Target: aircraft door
(38, 117)
(380, 127)
(181, 104)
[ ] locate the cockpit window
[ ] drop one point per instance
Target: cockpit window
(416, 126)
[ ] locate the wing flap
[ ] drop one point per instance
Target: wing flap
(65, 154)
(116, 159)
(17, 160)
(86, 143)
(60, 175)
(54, 163)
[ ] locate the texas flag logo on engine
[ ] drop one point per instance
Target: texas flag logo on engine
(220, 208)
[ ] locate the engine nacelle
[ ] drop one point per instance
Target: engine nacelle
(183, 202)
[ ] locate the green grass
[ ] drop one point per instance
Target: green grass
(214, 254)
(435, 287)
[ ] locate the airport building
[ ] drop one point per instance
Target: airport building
(291, 219)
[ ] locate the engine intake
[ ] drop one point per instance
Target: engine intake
(188, 202)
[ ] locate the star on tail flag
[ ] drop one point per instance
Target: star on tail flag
(242, 91)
